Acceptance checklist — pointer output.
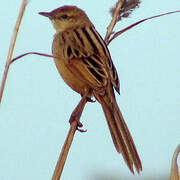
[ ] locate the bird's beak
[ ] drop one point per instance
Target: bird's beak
(46, 14)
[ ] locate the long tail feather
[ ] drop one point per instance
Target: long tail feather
(119, 131)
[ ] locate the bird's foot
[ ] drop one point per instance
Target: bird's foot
(79, 124)
(90, 100)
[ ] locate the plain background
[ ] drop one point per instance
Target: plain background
(37, 103)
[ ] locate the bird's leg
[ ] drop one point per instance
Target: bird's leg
(76, 114)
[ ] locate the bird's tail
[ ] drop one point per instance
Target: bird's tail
(119, 131)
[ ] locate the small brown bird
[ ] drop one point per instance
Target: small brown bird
(84, 62)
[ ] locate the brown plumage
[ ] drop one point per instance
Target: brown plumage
(84, 62)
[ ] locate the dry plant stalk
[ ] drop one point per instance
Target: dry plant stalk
(75, 118)
(113, 21)
(11, 48)
(175, 175)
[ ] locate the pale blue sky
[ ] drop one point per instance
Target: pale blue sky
(37, 103)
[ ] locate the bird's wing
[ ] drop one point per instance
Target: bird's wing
(86, 44)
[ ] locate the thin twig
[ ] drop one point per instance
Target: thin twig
(64, 151)
(174, 167)
(113, 21)
(36, 53)
(138, 22)
(75, 120)
(11, 48)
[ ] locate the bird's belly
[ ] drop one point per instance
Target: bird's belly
(71, 78)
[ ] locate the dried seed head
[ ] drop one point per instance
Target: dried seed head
(127, 8)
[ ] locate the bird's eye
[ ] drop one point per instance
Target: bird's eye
(64, 16)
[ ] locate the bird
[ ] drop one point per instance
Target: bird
(84, 62)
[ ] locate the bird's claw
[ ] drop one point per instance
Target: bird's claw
(90, 100)
(80, 125)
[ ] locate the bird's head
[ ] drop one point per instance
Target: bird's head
(67, 17)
